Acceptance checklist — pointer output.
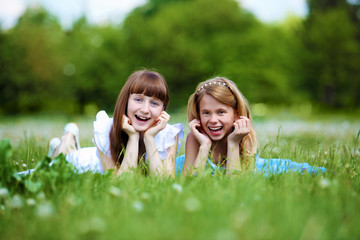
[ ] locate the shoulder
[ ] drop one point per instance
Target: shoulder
(173, 130)
(102, 122)
(166, 137)
(102, 116)
(169, 137)
(191, 138)
(191, 142)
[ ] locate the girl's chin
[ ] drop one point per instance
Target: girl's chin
(141, 128)
(215, 137)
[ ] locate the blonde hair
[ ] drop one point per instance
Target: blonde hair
(226, 92)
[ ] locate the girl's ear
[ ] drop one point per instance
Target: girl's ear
(237, 115)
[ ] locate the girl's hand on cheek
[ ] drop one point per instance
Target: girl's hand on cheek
(200, 135)
(241, 129)
(159, 124)
(127, 127)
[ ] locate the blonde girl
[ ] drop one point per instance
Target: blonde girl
(220, 127)
(222, 135)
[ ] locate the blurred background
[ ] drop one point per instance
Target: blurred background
(71, 58)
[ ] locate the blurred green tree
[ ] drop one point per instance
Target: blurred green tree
(95, 64)
(332, 59)
(31, 63)
(190, 41)
(46, 68)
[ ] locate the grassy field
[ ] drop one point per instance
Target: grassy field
(55, 203)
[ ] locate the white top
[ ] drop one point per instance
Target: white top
(163, 140)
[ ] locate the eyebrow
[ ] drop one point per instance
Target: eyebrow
(219, 109)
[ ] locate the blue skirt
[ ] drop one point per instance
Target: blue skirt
(266, 166)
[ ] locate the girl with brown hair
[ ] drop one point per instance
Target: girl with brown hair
(138, 130)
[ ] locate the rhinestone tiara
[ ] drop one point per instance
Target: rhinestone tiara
(212, 83)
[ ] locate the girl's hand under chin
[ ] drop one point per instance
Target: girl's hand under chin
(158, 125)
(127, 127)
(196, 129)
(241, 129)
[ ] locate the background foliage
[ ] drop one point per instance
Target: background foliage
(45, 68)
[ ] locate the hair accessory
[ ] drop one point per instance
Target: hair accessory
(212, 83)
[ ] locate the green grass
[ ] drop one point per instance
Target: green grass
(58, 204)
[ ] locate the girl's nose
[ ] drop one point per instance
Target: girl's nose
(145, 107)
(213, 119)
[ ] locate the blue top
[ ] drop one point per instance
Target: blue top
(266, 166)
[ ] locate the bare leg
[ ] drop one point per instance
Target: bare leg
(68, 145)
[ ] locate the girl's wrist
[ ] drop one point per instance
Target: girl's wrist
(134, 136)
(232, 144)
(205, 146)
(147, 135)
(234, 141)
(148, 138)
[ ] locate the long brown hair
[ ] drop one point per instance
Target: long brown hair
(226, 92)
(145, 82)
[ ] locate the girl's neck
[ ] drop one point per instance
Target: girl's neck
(219, 151)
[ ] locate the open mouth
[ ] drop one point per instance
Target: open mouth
(215, 130)
(142, 119)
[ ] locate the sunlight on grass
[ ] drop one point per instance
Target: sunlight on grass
(56, 202)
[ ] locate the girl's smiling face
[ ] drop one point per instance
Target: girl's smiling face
(216, 118)
(143, 111)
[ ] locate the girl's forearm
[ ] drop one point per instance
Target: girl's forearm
(170, 161)
(155, 162)
(201, 158)
(233, 158)
(130, 159)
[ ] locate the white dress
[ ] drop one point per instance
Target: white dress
(88, 159)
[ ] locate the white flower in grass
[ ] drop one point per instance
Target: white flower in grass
(41, 196)
(3, 192)
(72, 200)
(177, 187)
(45, 210)
(93, 225)
(226, 234)
(257, 198)
(97, 224)
(192, 204)
(30, 202)
(116, 192)
(240, 218)
(24, 165)
(324, 183)
(138, 206)
(145, 196)
(16, 202)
